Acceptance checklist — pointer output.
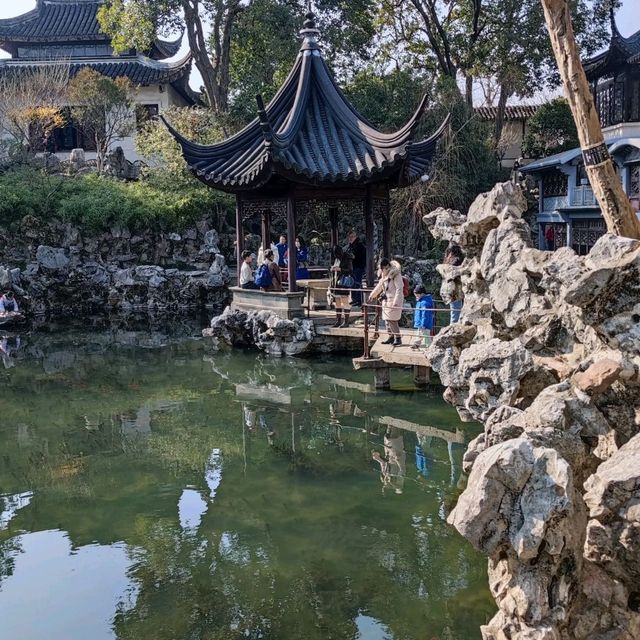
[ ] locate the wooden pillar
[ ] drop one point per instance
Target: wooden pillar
(266, 229)
(239, 236)
(368, 233)
(291, 239)
(333, 220)
(386, 229)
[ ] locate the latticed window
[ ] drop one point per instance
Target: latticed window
(585, 234)
(634, 190)
(554, 184)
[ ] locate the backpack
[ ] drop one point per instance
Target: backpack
(406, 286)
(263, 277)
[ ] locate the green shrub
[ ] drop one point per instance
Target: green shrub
(96, 204)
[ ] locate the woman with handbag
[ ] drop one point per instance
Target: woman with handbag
(341, 276)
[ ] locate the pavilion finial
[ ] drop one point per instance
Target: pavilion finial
(310, 33)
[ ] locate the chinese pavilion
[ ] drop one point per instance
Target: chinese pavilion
(309, 150)
(67, 32)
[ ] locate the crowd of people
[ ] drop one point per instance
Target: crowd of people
(346, 274)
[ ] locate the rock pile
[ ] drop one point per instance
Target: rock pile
(263, 329)
(64, 273)
(547, 357)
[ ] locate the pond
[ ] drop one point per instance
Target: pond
(151, 490)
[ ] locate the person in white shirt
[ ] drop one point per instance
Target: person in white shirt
(276, 254)
(246, 273)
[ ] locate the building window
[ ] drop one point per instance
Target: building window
(67, 138)
(554, 184)
(581, 175)
(585, 234)
(64, 52)
(634, 187)
(145, 113)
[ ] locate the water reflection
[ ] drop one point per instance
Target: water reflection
(233, 496)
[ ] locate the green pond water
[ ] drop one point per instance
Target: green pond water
(150, 490)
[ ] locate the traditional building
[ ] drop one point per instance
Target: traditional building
(516, 119)
(569, 214)
(309, 150)
(67, 32)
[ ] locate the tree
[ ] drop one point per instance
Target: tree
(469, 39)
(30, 109)
(616, 208)
(241, 47)
(551, 130)
(158, 146)
(102, 108)
(134, 23)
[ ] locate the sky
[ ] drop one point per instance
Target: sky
(628, 18)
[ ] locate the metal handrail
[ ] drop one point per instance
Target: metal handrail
(367, 306)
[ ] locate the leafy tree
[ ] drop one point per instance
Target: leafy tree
(551, 130)
(30, 109)
(468, 39)
(251, 44)
(102, 109)
(134, 23)
(158, 146)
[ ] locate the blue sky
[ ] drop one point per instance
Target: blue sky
(628, 18)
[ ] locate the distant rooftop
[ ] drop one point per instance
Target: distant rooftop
(55, 21)
(515, 112)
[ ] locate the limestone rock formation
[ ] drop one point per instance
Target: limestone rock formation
(547, 357)
(263, 329)
(68, 273)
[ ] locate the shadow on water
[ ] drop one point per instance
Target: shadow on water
(152, 490)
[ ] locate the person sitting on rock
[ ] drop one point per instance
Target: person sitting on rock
(8, 304)
(246, 273)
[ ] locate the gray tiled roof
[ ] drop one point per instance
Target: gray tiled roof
(309, 133)
(68, 20)
(139, 69)
(515, 112)
(621, 51)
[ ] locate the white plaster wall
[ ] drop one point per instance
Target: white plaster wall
(164, 96)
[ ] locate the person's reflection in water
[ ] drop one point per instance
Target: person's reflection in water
(262, 421)
(423, 463)
(8, 351)
(453, 463)
(393, 466)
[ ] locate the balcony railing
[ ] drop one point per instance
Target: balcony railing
(582, 196)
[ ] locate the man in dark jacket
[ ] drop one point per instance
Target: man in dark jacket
(359, 253)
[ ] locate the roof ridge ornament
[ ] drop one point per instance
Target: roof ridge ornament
(310, 33)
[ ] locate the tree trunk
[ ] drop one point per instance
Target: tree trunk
(505, 92)
(616, 208)
(468, 90)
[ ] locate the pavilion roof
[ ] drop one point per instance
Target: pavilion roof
(309, 133)
(55, 21)
(621, 51)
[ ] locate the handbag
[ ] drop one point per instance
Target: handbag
(346, 281)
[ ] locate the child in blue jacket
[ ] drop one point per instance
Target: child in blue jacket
(424, 319)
